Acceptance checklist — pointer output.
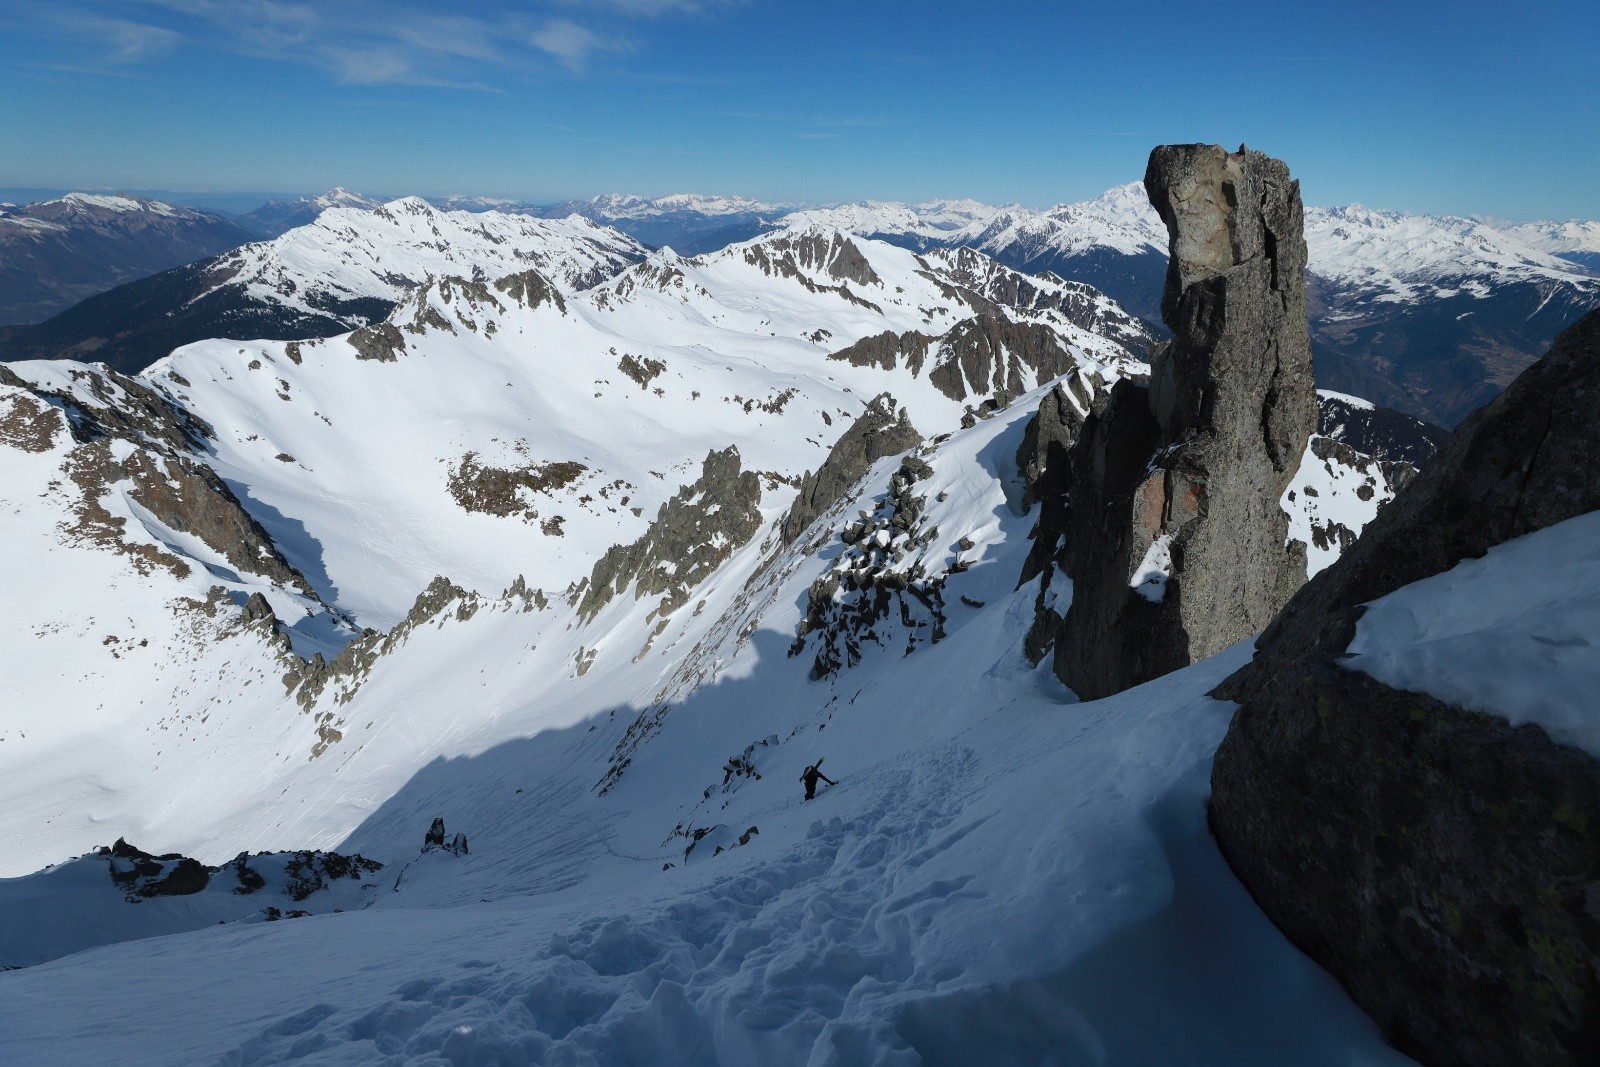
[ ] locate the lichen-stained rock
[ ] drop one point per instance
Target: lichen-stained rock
(882, 429)
(1443, 865)
(1178, 546)
(693, 532)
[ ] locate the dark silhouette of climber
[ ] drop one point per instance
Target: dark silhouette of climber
(810, 777)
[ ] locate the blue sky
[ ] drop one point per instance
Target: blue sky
(1470, 108)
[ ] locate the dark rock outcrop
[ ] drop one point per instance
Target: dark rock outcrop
(984, 356)
(162, 474)
(834, 254)
(1176, 541)
(1378, 432)
(1044, 463)
(435, 840)
(381, 342)
(508, 491)
(531, 289)
(692, 534)
(141, 875)
(1443, 865)
(880, 430)
(987, 285)
(880, 590)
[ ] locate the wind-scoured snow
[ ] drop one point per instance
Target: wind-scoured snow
(1515, 633)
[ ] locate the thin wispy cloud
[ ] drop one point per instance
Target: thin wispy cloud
(366, 42)
(132, 42)
(657, 8)
(570, 43)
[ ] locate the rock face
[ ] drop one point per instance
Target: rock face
(981, 357)
(1044, 462)
(1442, 864)
(877, 580)
(880, 430)
(692, 534)
(1176, 538)
(135, 438)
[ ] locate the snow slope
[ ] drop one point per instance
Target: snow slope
(511, 437)
(1001, 875)
(351, 253)
(1515, 633)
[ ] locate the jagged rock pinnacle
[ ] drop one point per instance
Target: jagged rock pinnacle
(1177, 540)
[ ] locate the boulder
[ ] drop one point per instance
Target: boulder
(1441, 863)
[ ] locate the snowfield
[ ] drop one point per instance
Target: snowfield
(1001, 875)
(1512, 633)
(408, 622)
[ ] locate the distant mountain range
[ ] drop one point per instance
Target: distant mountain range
(54, 253)
(277, 217)
(347, 268)
(1427, 314)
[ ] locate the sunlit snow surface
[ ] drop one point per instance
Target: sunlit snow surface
(1000, 876)
(1516, 633)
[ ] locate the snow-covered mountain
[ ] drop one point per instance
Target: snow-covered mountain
(54, 253)
(615, 732)
(643, 879)
(1576, 240)
(277, 217)
(499, 434)
(1429, 314)
(527, 555)
(1434, 314)
(347, 268)
(690, 223)
(385, 252)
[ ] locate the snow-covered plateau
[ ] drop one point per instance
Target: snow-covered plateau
(518, 558)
